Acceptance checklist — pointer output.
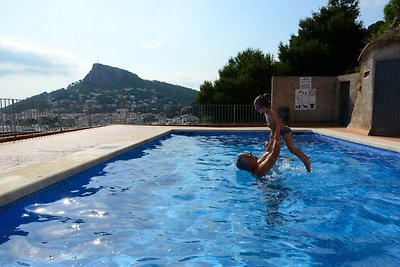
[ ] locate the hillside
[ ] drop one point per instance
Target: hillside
(106, 89)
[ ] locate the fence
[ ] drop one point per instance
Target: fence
(234, 115)
(27, 116)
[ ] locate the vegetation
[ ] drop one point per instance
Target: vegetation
(246, 75)
(327, 43)
(391, 12)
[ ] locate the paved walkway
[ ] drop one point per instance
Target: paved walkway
(27, 152)
(388, 143)
(31, 164)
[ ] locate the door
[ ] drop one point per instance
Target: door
(386, 98)
(344, 103)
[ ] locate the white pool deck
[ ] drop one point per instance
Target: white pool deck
(32, 164)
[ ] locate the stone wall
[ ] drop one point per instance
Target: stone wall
(283, 95)
(363, 109)
(361, 117)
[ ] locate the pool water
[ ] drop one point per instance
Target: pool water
(181, 201)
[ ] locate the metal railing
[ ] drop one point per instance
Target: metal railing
(27, 116)
(234, 115)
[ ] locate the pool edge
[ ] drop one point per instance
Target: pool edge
(372, 141)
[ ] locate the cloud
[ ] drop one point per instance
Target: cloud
(22, 58)
(154, 44)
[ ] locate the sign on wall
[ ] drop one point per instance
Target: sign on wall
(306, 95)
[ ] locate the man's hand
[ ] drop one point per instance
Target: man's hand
(278, 126)
(266, 145)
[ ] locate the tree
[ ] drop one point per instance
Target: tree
(206, 95)
(391, 12)
(375, 29)
(328, 43)
(240, 80)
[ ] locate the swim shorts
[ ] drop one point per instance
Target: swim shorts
(285, 130)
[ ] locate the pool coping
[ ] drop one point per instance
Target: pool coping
(23, 181)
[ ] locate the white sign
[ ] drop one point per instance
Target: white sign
(305, 99)
(305, 82)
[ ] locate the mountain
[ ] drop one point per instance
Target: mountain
(106, 89)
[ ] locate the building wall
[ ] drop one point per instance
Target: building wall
(389, 49)
(354, 92)
(283, 95)
(361, 117)
(363, 109)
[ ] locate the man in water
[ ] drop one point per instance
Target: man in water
(261, 166)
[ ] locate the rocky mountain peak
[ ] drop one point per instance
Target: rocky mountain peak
(102, 75)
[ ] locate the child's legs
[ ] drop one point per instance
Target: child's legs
(292, 148)
(295, 150)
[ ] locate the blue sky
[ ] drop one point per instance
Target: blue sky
(48, 44)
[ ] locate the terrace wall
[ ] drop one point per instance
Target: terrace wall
(328, 102)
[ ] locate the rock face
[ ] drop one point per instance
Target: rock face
(103, 76)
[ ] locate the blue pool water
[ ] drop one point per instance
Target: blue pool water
(181, 201)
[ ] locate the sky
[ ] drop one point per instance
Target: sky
(46, 45)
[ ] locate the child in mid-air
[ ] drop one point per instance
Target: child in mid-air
(263, 105)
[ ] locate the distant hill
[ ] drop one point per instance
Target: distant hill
(106, 88)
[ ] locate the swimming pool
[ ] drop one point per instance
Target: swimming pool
(180, 200)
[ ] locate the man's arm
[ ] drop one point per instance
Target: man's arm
(268, 144)
(267, 162)
(264, 156)
(274, 126)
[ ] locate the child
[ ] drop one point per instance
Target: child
(263, 105)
